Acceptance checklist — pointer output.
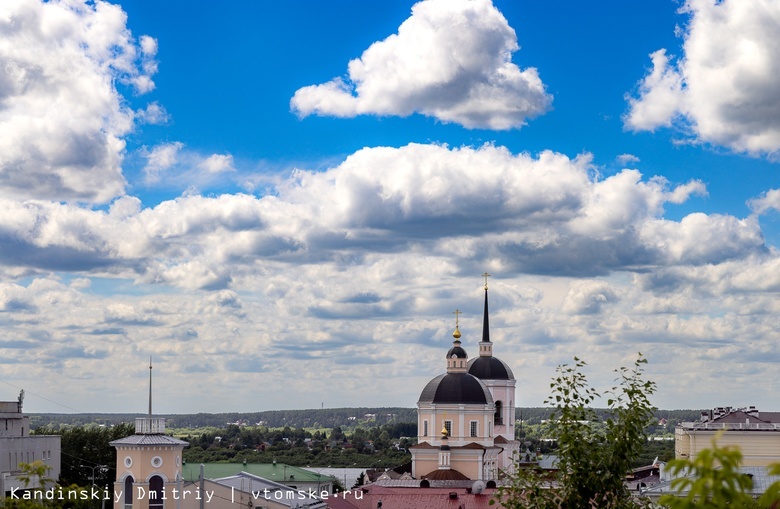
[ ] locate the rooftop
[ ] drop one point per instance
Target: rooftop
(277, 472)
(260, 489)
(448, 497)
(760, 476)
(156, 439)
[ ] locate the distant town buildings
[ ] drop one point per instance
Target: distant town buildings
(18, 446)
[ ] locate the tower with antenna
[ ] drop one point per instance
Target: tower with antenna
(148, 464)
(18, 446)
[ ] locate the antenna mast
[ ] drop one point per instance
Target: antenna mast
(150, 387)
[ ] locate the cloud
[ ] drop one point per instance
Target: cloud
(660, 96)
(588, 297)
(62, 120)
(450, 60)
(722, 90)
(159, 159)
(371, 276)
(172, 165)
(626, 159)
(217, 163)
(546, 214)
(154, 113)
(770, 200)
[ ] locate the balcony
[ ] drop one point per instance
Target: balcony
(149, 425)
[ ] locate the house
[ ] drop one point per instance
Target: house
(760, 476)
(410, 495)
(17, 446)
(244, 490)
(296, 478)
(755, 433)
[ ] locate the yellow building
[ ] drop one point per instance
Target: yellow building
(466, 416)
(148, 465)
(757, 434)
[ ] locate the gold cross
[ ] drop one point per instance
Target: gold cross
(456, 313)
(486, 275)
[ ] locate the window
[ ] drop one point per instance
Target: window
(155, 492)
(473, 430)
(498, 418)
(129, 492)
(425, 428)
(448, 427)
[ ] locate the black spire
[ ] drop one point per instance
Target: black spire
(485, 320)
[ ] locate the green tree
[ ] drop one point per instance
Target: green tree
(84, 447)
(712, 480)
(592, 460)
(361, 480)
(34, 474)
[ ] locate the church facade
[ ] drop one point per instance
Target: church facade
(466, 416)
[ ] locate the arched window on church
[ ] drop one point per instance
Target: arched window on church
(498, 416)
(156, 492)
(128, 495)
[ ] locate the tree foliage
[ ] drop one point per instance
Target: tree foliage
(311, 418)
(592, 460)
(86, 450)
(34, 475)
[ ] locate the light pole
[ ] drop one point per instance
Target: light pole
(345, 476)
(319, 476)
(101, 467)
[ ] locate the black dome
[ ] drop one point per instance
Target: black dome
(456, 388)
(490, 368)
(458, 352)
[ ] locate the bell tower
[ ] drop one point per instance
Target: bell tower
(148, 464)
(500, 381)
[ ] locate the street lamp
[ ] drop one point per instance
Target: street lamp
(319, 475)
(101, 467)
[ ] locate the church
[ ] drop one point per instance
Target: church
(466, 416)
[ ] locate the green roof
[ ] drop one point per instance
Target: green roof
(278, 472)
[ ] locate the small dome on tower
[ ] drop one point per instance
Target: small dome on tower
(457, 351)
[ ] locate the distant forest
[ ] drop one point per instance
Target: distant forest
(313, 418)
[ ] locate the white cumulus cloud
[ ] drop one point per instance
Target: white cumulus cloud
(770, 200)
(217, 163)
(171, 164)
(723, 89)
(62, 120)
(544, 214)
(161, 158)
(450, 60)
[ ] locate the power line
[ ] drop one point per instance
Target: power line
(39, 396)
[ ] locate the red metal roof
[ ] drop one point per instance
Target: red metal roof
(413, 498)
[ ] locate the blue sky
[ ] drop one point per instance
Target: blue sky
(298, 194)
